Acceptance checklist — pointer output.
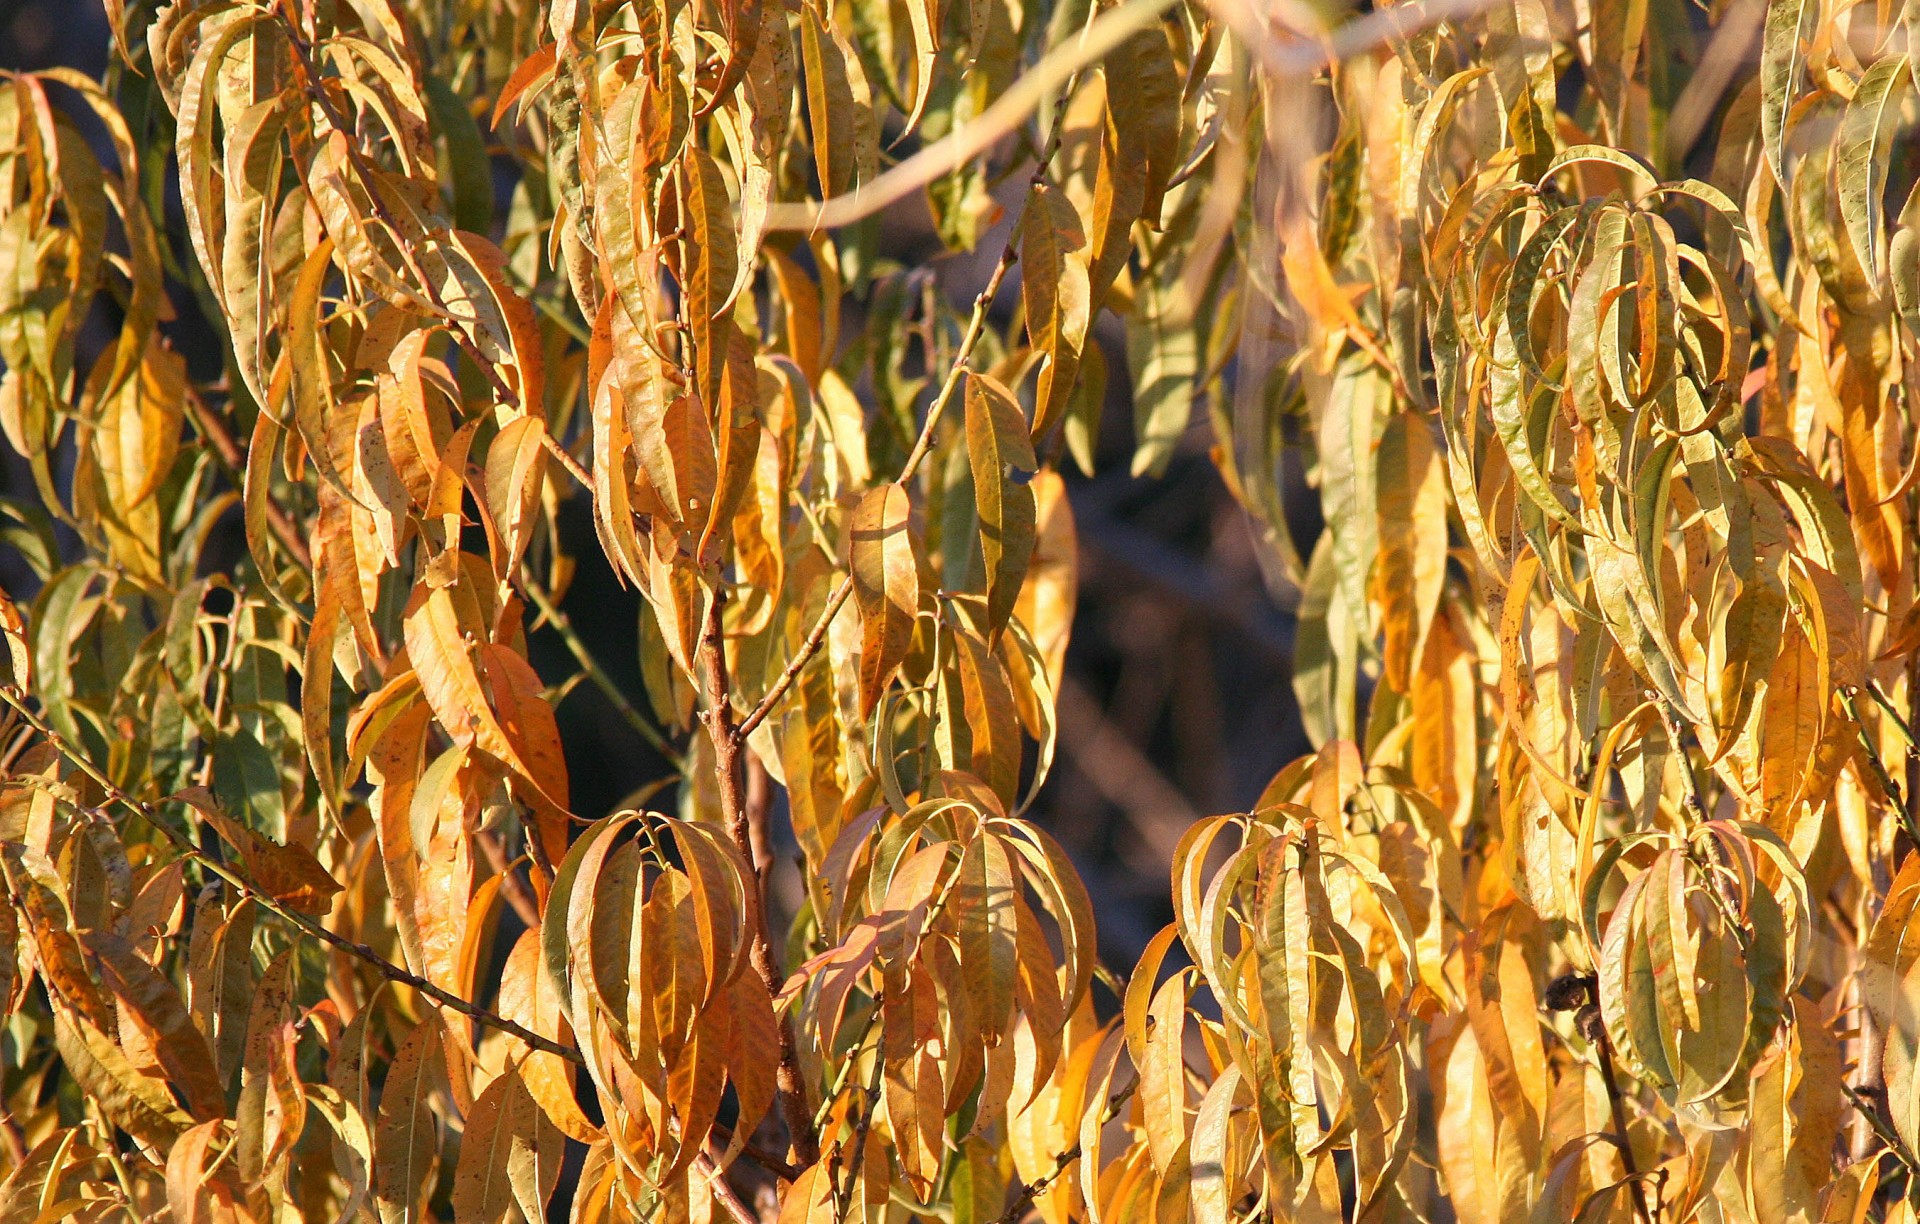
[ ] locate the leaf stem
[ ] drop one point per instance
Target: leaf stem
(185, 845)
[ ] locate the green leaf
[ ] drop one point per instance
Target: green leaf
(1862, 148)
(1790, 26)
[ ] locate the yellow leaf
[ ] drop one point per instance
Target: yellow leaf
(886, 586)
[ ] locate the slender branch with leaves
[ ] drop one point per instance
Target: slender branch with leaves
(1560, 357)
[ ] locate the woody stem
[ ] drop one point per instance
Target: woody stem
(740, 819)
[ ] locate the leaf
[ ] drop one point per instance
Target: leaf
(1164, 360)
(535, 69)
(1215, 1184)
(886, 586)
(535, 1153)
(1789, 28)
(132, 1101)
(441, 649)
(1685, 1021)
(810, 1199)
(406, 1142)
(1503, 1004)
(712, 263)
(1521, 43)
(1055, 291)
(272, 1110)
(19, 655)
(978, 1188)
(309, 366)
(527, 993)
(1346, 434)
(1144, 112)
(1163, 1073)
(924, 18)
(982, 898)
(288, 874)
(346, 1102)
(1412, 508)
(1754, 626)
(737, 438)
(162, 1014)
(831, 106)
(482, 1189)
(997, 441)
(528, 721)
(1862, 146)
(992, 724)
(516, 473)
(466, 154)
(220, 976)
(196, 1191)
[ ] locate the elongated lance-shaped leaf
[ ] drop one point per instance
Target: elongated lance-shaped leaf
(1863, 146)
(1002, 459)
(1790, 27)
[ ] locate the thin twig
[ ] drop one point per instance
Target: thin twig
(552, 614)
(1911, 810)
(923, 444)
(233, 461)
(1886, 703)
(723, 1135)
(1616, 1102)
(976, 327)
(574, 468)
(1061, 1163)
(857, 1142)
(723, 1193)
(1894, 1143)
(801, 658)
(1871, 751)
(1680, 740)
(1868, 1070)
(185, 845)
(515, 892)
(13, 1141)
(1159, 813)
(1008, 112)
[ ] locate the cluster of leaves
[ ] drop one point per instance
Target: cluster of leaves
(1594, 901)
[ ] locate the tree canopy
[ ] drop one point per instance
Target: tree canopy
(1561, 354)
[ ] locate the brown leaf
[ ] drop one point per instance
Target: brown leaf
(288, 874)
